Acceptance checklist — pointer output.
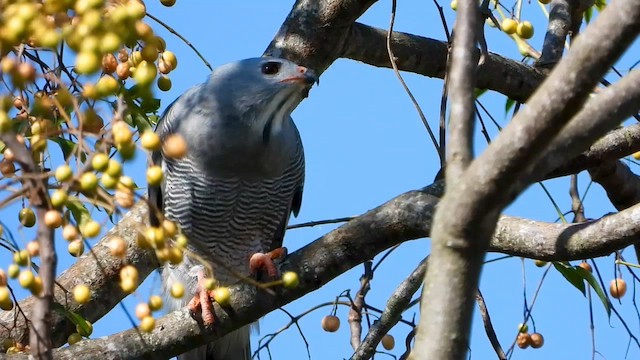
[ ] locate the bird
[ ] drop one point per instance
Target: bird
(233, 193)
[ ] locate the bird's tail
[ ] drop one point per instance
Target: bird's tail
(233, 346)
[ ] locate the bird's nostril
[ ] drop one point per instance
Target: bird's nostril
(302, 69)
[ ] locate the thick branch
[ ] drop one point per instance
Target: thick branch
(603, 112)
(460, 84)
(316, 264)
(467, 216)
(315, 32)
(613, 146)
(557, 30)
(428, 57)
(620, 183)
(406, 217)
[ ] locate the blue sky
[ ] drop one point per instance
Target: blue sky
(365, 144)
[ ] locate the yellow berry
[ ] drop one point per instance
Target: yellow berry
(143, 310)
(222, 296)
(114, 169)
(129, 272)
(88, 181)
(170, 58)
(100, 161)
(87, 62)
(74, 338)
(127, 285)
(121, 133)
(6, 303)
(525, 30)
(155, 303)
(70, 232)
(21, 257)
(76, 247)
(26, 279)
(59, 198)
(147, 324)
(33, 248)
(164, 83)
(181, 241)
(13, 271)
(108, 181)
(150, 140)
(177, 290)
(290, 279)
(87, 330)
(82, 294)
(27, 217)
(154, 175)
(90, 229)
(174, 146)
(53, 219)
(168, 3)
(107, 85)
(509, 26)
(145, 73)
(117, 247)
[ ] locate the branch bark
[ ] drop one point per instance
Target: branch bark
(428, 57)
(467, 216)
(406, 217)
(557, 31)
(40, 331)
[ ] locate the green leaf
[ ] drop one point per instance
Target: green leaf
(479, 92)
(79, 212)
(150, 105)
(571, 274)
(510, 103)
(600, 4)
(67, 146)
(75, 318)
(596, 287)
(587, 15)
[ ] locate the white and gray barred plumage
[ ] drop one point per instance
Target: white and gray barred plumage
(243, 176)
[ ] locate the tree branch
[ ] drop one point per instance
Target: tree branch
(428, 57)
(396, 305)
(460, 85)
(315, 32)
(40, 332)
(606, 110)
(406, 217)
(557, 30)
(467, 216)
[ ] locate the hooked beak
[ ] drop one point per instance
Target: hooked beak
(304, 77)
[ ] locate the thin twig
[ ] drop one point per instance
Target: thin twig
(187, 42)
(392, 59)
(488, 326)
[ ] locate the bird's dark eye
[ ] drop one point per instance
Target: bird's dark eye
(270, 68)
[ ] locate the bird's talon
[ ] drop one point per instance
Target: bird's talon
(265, 262)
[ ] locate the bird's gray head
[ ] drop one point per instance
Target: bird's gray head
(244, 112)
(261, 88)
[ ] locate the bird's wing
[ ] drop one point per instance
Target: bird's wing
(156, 202)
(293, 174)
